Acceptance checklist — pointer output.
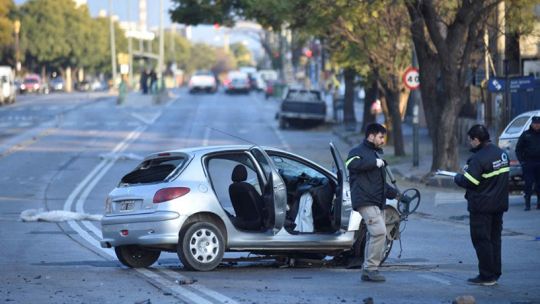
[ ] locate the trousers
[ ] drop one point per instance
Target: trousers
(486, 229)
(376, 236)
(531, 175)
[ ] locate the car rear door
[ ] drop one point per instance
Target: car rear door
(274, 190)
(342, 203)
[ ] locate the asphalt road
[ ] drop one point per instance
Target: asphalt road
(74, 148)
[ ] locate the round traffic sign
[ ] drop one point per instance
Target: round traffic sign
(411, 78)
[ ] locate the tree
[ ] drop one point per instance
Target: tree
(6, 32)
(241, 54)
(445, 36)
(202, 57)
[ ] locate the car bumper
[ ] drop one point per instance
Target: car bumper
(292, 115)
(156, 228)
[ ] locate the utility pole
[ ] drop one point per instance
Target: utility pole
(113, 46)
(130, 46)
(161, 44)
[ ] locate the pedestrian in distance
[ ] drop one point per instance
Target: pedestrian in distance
(369, 191)
(144, 82)
(485, 179)
(528, 154)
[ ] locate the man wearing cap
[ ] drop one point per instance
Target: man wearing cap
(528, 154)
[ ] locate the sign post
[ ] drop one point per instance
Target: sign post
(411, 80)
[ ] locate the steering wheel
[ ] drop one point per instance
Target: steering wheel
(409, 201)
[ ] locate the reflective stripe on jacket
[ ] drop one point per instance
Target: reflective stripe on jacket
(486, 180)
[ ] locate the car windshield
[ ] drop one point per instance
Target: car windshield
(203, 73)
(30, 80)
(517, 125)
(303, 96)
(153, 170)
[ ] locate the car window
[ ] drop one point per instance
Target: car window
(292, 167)
(303, 96)
(153, 170)
(517, 125)
(220, 170)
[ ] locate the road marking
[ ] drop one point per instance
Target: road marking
(88, 184)
(436, 279)
(146, 120)
(442, 198)
(206, 136)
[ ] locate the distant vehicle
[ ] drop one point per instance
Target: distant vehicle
(33, 84)
(83, 86)
(204, 81)
(8, 88)
(201, 202)
(237, 82)
(301, 105)
(508, 141)
(268, 75)
(57, 84)
(260, 84)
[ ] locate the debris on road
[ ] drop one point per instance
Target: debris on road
(37, 215)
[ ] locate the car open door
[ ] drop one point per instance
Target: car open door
(342, 203)
(274, 190)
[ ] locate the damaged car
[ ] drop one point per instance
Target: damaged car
(202, 202)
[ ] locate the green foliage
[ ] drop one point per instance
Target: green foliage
(202, 56)
(242, 54)
(521, 16)
(7, 46)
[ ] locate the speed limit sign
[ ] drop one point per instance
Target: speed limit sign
(411, 78)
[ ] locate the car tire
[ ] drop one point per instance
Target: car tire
(134, 256)
(201, 246)
(283, 123)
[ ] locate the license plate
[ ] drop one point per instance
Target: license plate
(127, 205)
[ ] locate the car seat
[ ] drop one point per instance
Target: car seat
(246, 201)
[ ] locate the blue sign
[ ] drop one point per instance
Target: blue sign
(498, 85)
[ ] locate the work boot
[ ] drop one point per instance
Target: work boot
(527, 203)
(372, 276)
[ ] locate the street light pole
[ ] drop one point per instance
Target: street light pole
(161, 44)
(113, 46)
(130, 47)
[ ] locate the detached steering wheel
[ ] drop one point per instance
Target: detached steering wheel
(409, 201)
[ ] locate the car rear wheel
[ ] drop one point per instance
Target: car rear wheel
(201, 246)
(135, 256)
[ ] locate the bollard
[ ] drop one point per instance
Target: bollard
(122, 91)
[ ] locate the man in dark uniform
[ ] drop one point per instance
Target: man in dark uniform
(486, 181)
(369, 191)
(528, 154)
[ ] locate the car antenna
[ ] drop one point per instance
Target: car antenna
(232, 135)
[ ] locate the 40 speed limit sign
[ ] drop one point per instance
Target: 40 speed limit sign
(411, 78)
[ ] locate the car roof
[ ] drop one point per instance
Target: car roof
(529, 114)
(203, 150)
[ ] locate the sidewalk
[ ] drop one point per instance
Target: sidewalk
(403, 166)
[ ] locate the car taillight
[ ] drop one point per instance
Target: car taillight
(167, 194)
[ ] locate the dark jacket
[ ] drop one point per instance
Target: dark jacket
(486, 180)
(368, 182)
(528, 147)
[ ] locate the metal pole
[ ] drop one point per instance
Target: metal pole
(113, 46)
(507, 102)
(416, 139)
(161, 43)
(130, 47)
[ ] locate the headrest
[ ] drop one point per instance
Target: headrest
(239, 173)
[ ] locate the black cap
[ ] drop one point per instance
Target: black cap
(536, 119)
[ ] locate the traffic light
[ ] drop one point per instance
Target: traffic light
(308, 53)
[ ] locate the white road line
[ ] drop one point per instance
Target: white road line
(146, 120)
(436, 279)
(206, 136)
(207, 291)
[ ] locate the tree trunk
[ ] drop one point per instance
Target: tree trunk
(512, 54)
(370, 98)
(349, 117)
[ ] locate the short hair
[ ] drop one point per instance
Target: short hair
(479, 132)
(375, 128)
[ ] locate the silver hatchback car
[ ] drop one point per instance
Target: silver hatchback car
(201, 202)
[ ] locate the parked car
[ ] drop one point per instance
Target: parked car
(204, 81)
(301, 105)
(33, 84)
(508, 141)
(57, 84)
(237, 82)
(200, 202)
(8, 88)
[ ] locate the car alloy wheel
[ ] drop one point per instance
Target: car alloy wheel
(201, 246)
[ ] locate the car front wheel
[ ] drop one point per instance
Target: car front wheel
(201, 246)
(135, 256)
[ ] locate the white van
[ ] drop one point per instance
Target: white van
(7, 85)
